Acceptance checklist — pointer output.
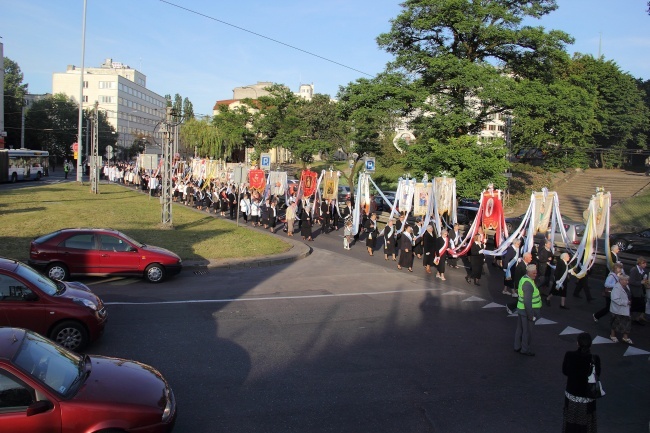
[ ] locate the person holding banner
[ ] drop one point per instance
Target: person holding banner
(454, 240)
(510, 259)
(406, 249)
(373, 232)
(476, 260)
(559, 282)
(389, 240)
(428, 248)
(442, 243)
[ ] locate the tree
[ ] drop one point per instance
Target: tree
(622, 116)
(14, 101)
(473, 165)
(52, 124)
(370, 110)
(234, 128)
(202, 135)
(188, 110)
(448, 46)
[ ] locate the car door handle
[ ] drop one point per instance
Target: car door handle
(104, 255)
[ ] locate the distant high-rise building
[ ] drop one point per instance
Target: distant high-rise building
(122, 94)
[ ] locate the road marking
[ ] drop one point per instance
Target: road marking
(569, 331)
(272, 298)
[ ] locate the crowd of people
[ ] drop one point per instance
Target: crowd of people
(531, 278)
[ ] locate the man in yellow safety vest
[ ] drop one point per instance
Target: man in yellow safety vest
(528, 306)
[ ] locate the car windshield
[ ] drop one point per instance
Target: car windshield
(42, 282)
(130, 239)
(49, 363)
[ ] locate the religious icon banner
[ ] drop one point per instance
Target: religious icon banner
(309, 180)
(422, 198)
(492, 210)
(445, 193)
(257, 180)
(330, 185)
(278, 182)
(543, 210)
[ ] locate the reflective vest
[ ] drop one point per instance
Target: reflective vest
(536, 301)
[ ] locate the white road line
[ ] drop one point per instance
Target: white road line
(271, 298)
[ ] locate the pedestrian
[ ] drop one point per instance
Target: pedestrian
(579, 415)
(428, 248)
(559, 282)
(347, 233)
(582, 285)
(544, 260)
(518, 274)
(373, 233)
(620, 309)
(406, 249)
(528, 306)
(255, 212)
(454, 241)
(66, 169)
(290, 216)
(638, 286)
(389, 240)
(509, 262)
(245, 206)
(610, 281)
(305, 227)
(476, 260)
(273, 216)
(442, 244)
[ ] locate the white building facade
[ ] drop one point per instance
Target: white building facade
(121, 91)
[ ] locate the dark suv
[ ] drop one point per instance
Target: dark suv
(66, 312)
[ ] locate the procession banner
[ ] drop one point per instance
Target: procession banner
(422, 195)
(330, 185)
(308, 180)
(257, 180)
(278, 182)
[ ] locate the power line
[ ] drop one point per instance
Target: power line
(265, 37)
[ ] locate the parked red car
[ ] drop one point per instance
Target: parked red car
(100, 252)
(68, 313)
(45, 388)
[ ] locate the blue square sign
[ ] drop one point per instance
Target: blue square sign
(370, 164)
(265, 161)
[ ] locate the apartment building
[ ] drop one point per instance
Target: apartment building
(122, 94)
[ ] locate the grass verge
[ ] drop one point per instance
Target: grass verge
(29, 212)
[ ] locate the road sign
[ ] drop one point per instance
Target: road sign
(265, 161)
(75, 147)
(370, 163)
(240, 175)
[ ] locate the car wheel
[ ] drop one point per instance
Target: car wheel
(71, 335)
(154, 273)
(622, 244)
(57, 271)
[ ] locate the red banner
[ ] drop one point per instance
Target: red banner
(493, 218)
(257, 180)
(308, 179)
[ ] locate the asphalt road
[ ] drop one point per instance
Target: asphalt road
(344, 342)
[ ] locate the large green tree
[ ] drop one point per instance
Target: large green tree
(51, 124)
(461, 55)
(14, 101)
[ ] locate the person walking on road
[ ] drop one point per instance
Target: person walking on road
(579, 415)
(406, 249)
(610, 282)
(620, 309)
(638, 287)
(476, 259)
(66, 169)
(559, 283)
(528, 306)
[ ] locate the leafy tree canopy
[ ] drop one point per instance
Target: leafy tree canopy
(14, 100)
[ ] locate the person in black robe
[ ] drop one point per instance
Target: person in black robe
(372, 232)
(389, 240)
(305, 228)
(406, 249)
(417, 231)
(428, 248)
(476, 259)
(442, 243)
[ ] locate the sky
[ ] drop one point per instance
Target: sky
(199, 50)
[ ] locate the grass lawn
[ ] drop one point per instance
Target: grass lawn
(28, 212)
(633, 213)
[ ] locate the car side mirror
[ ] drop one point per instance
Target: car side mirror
(133, 249)
(39, 407)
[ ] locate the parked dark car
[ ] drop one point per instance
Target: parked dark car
(466, 214)
(100, 252)
(45, 388)
(637, 243)
(469, 202)
(67, 312)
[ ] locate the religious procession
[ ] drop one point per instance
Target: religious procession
(419, 230)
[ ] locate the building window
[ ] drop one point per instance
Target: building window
(85, 98)
(85, 84)
(492, 127)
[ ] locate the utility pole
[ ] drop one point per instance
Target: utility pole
(170, 133)
(94, 158)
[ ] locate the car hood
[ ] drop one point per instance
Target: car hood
(73, 291)
(123, 381)
(159, 250)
